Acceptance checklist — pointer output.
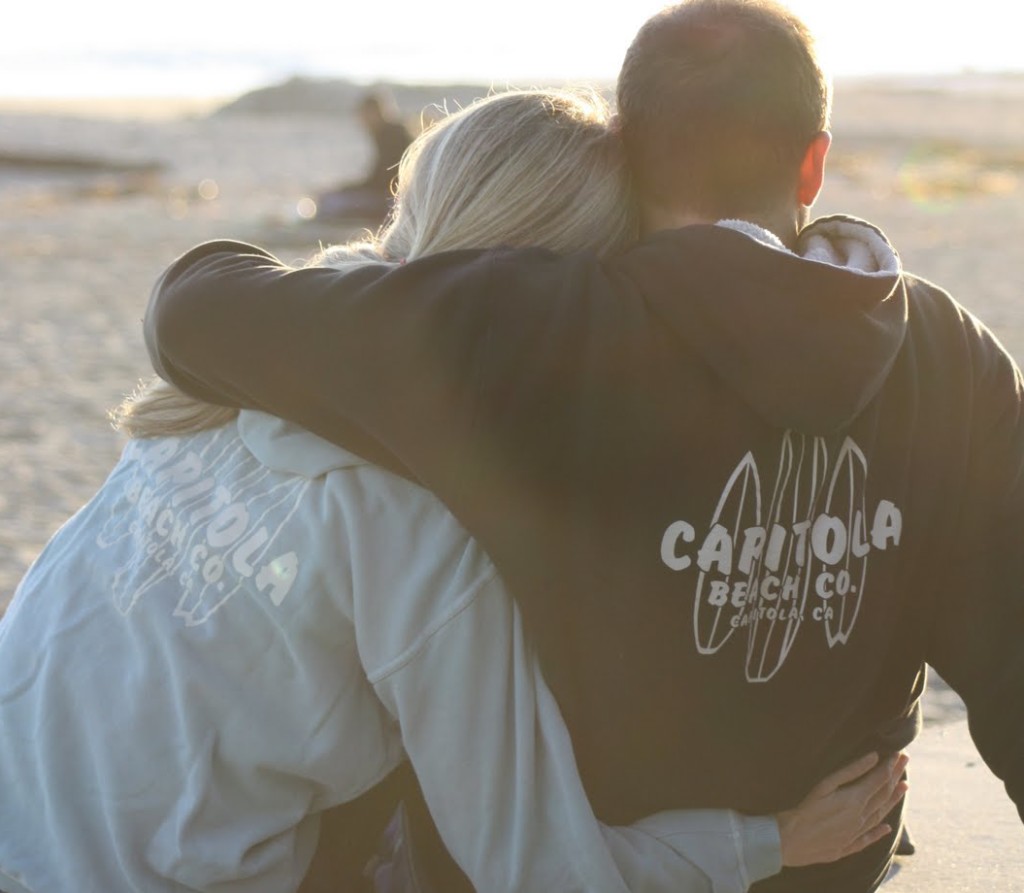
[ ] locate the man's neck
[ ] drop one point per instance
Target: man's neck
(654, 219)
(786, 225)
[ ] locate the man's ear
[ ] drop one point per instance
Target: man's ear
(812, 168)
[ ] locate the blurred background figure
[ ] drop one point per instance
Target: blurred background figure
(370, 198)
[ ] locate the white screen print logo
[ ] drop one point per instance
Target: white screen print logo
(806, 558)
(205, 520)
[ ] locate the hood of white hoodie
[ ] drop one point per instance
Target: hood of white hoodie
(285, 447)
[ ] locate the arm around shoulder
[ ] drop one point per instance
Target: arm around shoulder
(381, 359)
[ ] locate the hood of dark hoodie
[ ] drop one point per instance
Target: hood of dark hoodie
(807, 337)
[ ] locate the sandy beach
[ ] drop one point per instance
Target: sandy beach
(939, 166)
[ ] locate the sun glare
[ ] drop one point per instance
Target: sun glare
(96, 47)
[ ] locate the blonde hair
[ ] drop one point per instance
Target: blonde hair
(524, 167)
(519, 168)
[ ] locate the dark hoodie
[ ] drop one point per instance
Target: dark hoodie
(741, 496)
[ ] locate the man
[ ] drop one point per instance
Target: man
(744, 480)
(370, 198)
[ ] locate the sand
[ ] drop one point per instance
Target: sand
(941, 171)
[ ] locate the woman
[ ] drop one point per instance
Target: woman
(248, 626)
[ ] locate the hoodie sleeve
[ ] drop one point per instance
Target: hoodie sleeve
(504, 790)
(384, 360)
(975, 642)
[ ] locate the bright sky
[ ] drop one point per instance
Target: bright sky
(52, 48)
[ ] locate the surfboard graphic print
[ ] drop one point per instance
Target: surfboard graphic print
(845, 538)
(801, 562)
(778, 611)
(714, 608)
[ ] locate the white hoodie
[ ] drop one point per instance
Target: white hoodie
(250, 625)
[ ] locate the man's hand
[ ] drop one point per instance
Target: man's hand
(843, 813)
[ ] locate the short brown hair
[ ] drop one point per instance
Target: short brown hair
(718, 101)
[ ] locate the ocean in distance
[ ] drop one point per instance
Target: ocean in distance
(87, 73)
